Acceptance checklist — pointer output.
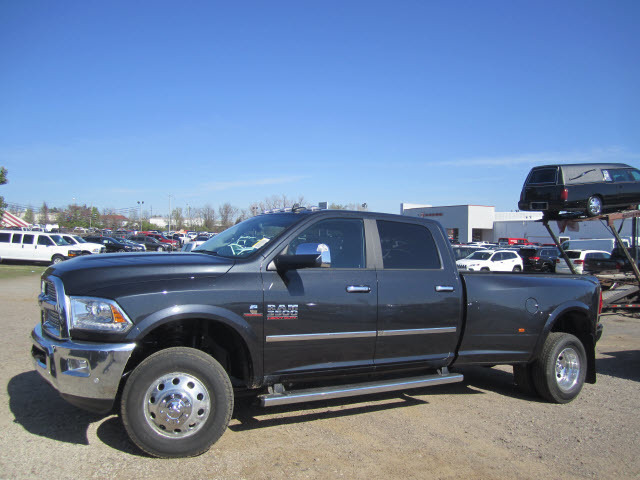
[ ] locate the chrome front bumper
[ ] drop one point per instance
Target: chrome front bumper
(86, 374)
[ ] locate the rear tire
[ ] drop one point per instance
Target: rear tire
(160, 249)
(594, 206)
(517, 268)
(177, 403)
(559, 373)
(485, 269)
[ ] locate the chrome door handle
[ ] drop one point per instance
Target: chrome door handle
(444, 288)
(358, 289)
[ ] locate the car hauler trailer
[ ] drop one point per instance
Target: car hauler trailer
(622, 290)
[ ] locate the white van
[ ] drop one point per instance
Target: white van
(605, 244)
(35, 247)
(82, 244)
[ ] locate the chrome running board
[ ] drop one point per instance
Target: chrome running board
(339, 391)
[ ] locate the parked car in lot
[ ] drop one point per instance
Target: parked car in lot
(174, 244)
(513, 241)
(151, 243)
(491, 261)
(605, 244)
(463, 251)
(112, 244)
(539, 259)
(83, 245)
(584, 261)
(617, 262)
(35, 247)
(196, 242)
(587, 188)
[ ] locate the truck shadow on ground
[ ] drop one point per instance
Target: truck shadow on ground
(624, 364)
(40, 410)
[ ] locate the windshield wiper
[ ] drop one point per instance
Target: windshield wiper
(208, 252)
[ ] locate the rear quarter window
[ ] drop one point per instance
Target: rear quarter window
(543, 176)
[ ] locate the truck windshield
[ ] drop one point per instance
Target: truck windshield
(249, 236)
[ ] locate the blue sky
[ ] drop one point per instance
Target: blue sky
(434, 102)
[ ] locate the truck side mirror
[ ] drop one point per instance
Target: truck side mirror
(308, 255)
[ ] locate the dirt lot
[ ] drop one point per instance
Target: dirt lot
(482, 428)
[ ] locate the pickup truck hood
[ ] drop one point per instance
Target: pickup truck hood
(85, 274)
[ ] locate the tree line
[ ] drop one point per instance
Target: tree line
(206, 218)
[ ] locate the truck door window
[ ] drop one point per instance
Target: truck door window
(407, 246)
(344, 237)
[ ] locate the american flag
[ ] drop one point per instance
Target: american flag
(9, 220)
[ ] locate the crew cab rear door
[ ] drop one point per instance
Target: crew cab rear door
(419, 295)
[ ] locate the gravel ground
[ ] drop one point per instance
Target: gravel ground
(481, 428)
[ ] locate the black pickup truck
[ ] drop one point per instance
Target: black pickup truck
(298, 306)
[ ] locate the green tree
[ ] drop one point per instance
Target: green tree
(177, 219)
(28, 215)
(227, 214)
(94, 220)
(208, 216)
(3, 180)
(44, 213)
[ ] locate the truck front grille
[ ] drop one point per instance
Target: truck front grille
(52, 305)
(50, 290)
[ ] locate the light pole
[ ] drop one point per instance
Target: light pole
(140, 203)
(170, 197)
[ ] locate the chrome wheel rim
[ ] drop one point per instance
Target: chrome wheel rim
(567, 369)
(595, 206)
(177, 405)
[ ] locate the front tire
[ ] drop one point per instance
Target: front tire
(594, 206)
(56, 259)
(560, 371)
(160, 249)
(177, 403)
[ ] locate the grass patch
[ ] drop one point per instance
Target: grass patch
(15, 270)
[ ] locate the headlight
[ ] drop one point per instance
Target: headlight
(98, 314)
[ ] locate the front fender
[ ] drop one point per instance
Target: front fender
(207, 312)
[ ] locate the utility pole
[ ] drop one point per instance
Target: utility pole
(170, 196)
(140, 203)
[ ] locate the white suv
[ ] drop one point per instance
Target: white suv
(578, 258)
(82, 244)
(491, 261)
(35, 247)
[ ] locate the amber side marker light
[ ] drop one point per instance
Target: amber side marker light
(521, 330)
(117, 316)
